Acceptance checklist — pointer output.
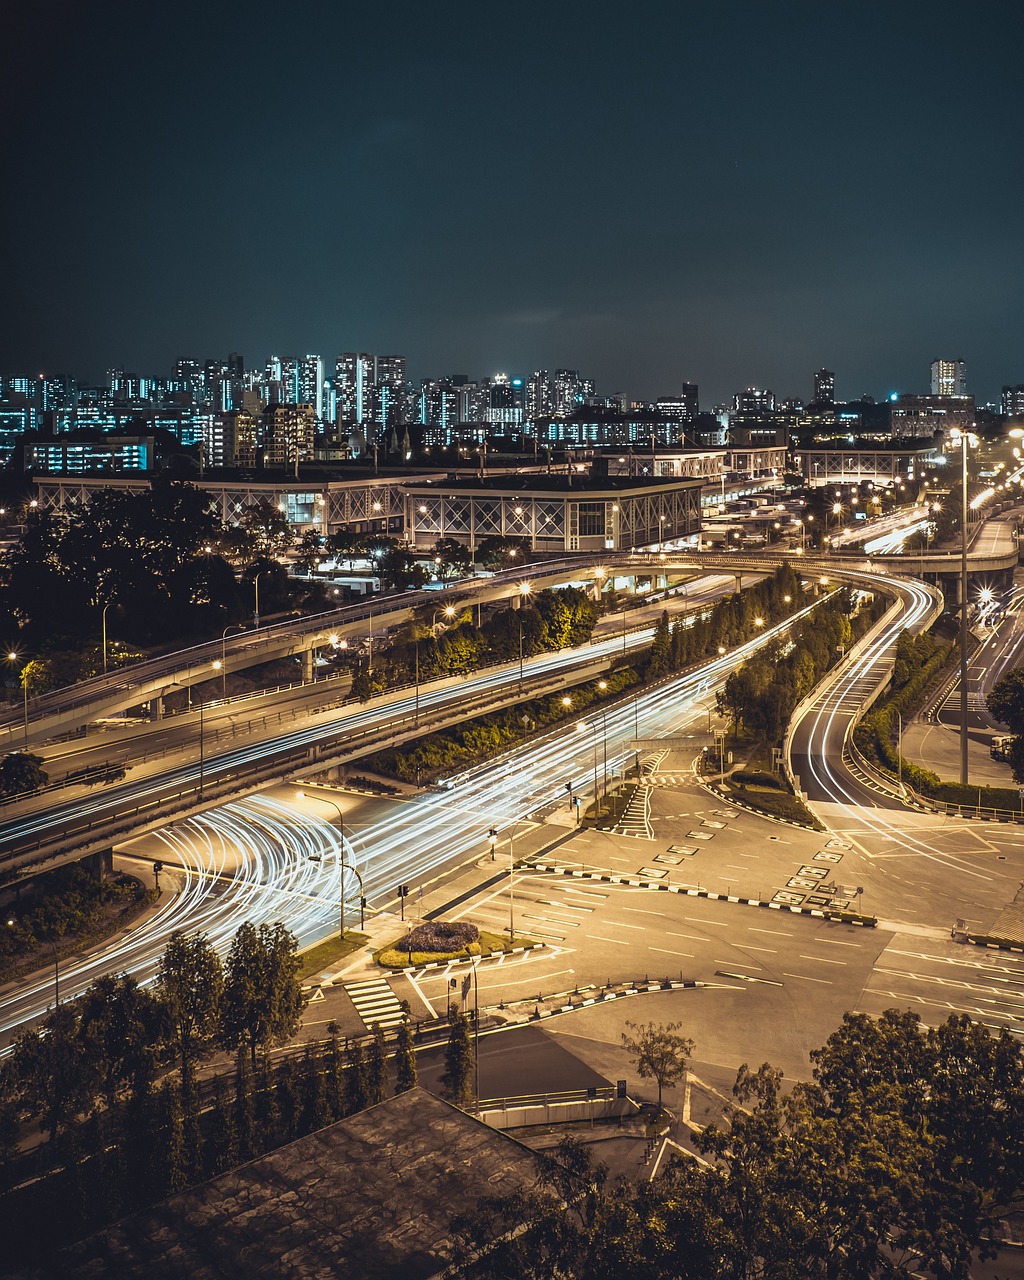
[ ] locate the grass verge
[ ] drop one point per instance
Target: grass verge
(487, 944)
(777, 804)
(329, 951)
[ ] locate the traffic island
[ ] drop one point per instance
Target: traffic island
(434, 943)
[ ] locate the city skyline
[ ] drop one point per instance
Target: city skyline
(731, 197)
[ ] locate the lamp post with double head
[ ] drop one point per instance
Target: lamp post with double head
(966, 441)
(345, 864)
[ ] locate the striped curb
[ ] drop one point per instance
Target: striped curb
(447, 964)
(639, 990)
(996, 946)
(866, 922)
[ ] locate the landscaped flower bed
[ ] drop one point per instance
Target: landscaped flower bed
(435, 940)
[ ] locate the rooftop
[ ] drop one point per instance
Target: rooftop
(368, 1198)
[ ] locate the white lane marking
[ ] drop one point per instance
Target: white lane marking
(821, 959)
(597, 938)
(824, 981)
(665, 952)
(415, 986)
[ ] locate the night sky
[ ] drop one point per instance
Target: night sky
(729, 193)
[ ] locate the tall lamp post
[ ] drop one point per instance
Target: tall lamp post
(224, 658)
(965, 440)
(256, 586)
(345, 865)
(104, 627)
(24, 687)
(524, 591)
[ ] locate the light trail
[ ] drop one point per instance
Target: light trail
(830, 720)
(251, 859)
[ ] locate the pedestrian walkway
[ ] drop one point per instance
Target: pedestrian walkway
(376, 1003)
(635, 819)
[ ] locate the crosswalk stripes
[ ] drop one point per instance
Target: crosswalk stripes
(375, 1003)
(635, 819)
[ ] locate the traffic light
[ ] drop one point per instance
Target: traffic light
(568, 787)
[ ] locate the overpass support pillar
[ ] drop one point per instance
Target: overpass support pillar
(307, 665)
(739, 583)
(99, 864)
(156, 707)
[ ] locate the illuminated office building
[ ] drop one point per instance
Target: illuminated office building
(949, 378)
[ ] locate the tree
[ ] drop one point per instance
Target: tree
(452, 559)
(496, 552)
(21, 773)
(405, 1059)
(126, 1024)
(658, 1052)
(459, 1061)
(659, 656)
(263, 999)
(310, 551)
(1006, 701)
(191, 983)
(376, 1068)
(268, 526)
(356, 1089)
(57, 1070)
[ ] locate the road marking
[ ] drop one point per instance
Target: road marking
(722, 924)
(415, 986)
(665, 952)
(645, 912)
(821, 960)
(518, 982)
(749, 946)
(782, 933)
(693, 937)
(618, 941)
(824, 981)
(621, 924)
(834, 942)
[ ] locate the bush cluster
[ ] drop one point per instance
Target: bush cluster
(436, 935)
(919, 660)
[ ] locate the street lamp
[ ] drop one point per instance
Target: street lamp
(524, 590)
(24, 685)
(345, 866)
(965, 440)
(224, 657)
(104, 625)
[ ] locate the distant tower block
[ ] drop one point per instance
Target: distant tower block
(824, 387)
(949, 378)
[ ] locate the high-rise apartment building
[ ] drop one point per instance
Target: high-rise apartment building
(1012, 401)
(389, 391)
(949, 378)
(824, 387)
(354, 385)
(288, 431)
(538, 394)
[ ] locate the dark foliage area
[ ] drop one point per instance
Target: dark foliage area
(900, 1156)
